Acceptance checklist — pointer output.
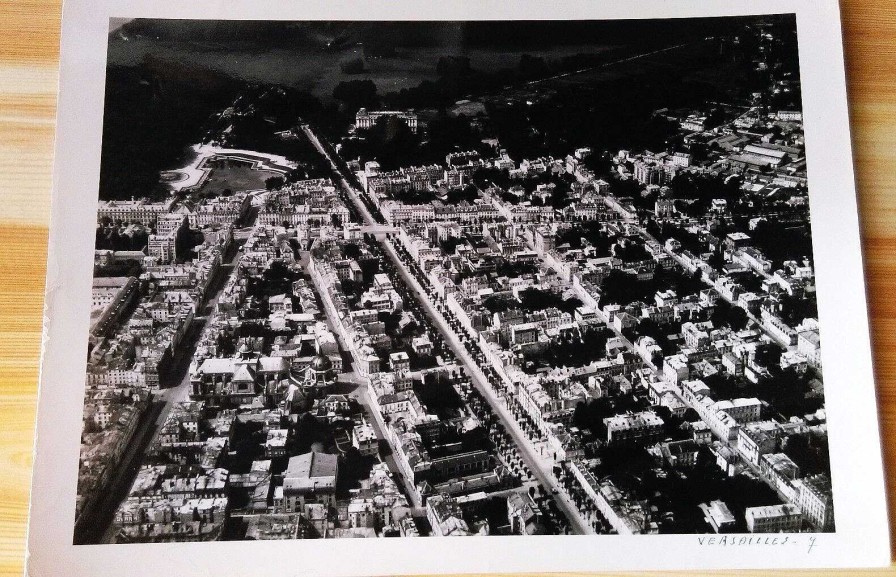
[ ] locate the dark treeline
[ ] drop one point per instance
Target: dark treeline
(155, 110)
(263, 33)
(459, 35)
(152, 113)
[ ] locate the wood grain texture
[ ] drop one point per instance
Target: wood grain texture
(29, 38)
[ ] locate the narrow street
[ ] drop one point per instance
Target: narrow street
(176, 387)
(356, 387)
(787, 346)
(97, 527)
(407, 486)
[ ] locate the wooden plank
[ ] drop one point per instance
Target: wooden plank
(29, 39)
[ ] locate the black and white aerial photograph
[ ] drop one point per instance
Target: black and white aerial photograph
(367, 279)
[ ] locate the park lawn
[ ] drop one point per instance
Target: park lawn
(236, 178)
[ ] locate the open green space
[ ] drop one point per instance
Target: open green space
(236, 177)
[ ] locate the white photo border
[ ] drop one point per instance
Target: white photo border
(862, 537)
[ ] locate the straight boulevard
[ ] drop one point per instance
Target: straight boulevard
(540, 466)
(97, 526)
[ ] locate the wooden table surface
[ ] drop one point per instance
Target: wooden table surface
(29, 38)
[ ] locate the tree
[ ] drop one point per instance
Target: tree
(355, 94)
(352, 66)
(453, 66)
(591, 415)
(533, 66)
(351, 250)
(728, 315)
(533, 299)
(787, 391)
(392, 141)
(768, 355)
(497, 304)
(622, 288)
(795, 310)
(809, 452)
(274, 182)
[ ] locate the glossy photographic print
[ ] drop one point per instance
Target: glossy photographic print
(373, 277)
(444, 279)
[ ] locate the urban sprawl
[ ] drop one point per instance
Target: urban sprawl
(365, 355)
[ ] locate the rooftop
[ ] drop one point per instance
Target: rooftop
(310, 471)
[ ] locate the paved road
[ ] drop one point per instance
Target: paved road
(722, 440)
(541, 467)
(163, 401)
(407, 485)
(607, 64)
(781, 342)
(180, 375)
(358, 384)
